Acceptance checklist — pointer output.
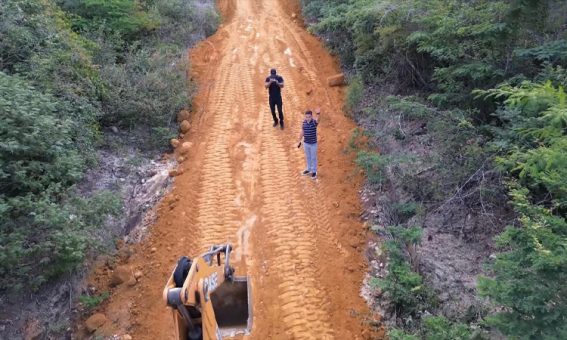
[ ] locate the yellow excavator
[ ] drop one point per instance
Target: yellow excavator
(206, 299)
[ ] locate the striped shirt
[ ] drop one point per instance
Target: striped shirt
(310, 131)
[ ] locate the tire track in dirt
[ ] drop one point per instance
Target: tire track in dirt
(301, 300)
(297, 51)
(216, 221)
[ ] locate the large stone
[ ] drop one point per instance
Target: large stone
(120, 275)
(183, 115)
(185, 147)
(175, 172)
(184, 126)
(336, 80)
(174, 143)
(95, 322)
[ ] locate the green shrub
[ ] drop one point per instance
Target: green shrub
(66, 68)
(45, 235)
(195, 19)
(439, 328)
(434, 328)
(443, 50)
(43, 229)
(405, 287)
(92, 301)
(448, 47)
(398, 334)
(532, 142)
(373, 165)
(37, 146)
(146, 91)
(407, 210)
(409, 107)
(354, 94)
(125, 17)
(38, 45)
(530, 274)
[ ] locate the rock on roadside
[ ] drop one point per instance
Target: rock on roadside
(95, 321)
(175, 172)
(185, 147)
(183, 115)
(185, 126)
(121, 275)
(336, 80)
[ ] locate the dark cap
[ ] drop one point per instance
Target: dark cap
(273, 71)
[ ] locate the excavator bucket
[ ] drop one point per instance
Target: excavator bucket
(208, 302)
(232, 307)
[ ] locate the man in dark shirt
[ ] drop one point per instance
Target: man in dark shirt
(309, 136)
(274, 84)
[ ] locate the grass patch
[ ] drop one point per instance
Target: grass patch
(93, 301)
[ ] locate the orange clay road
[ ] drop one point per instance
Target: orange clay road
(300, 241)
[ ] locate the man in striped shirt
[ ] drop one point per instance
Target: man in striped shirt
(309, 137)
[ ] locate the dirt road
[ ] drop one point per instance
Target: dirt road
(300, 241)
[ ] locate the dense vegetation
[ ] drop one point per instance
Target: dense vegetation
(487, 80)
(68, 70)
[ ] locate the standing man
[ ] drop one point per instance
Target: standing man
(274, 84)
(309, 136)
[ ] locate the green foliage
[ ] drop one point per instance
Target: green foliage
(403, 285)
(514, 52)
(373, 165)
(68, 68)
(137, 89)
(466, 40)
(449, 46)
(552, 52)
(409, 107)
(456, 151)
(434, 328)
(439, 328)
(557, 75)
(531, 271)
(37, 149)
(43, 236)
(398, 334)
(354, 94)
(407, 210)
(125, 17)
(38, 45)
(532, 141)
(356, 140)
(181, 20)
(92, 301)
(530, 274)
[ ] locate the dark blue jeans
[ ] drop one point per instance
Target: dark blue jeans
(273, 103)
